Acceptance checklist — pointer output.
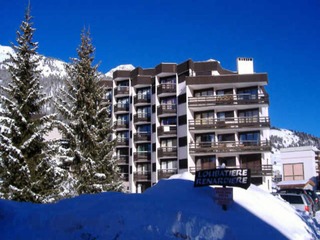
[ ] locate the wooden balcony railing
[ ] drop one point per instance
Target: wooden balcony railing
(167, 109)
(166, 88)
(242, 122)
(238, 99)
(166, 173)
(120, 107)
(142, 98)
(167, 152)
(167, 130)
(142, 117)
(121, 90)
(142, 156)
(122, 159)
(142, 176)
(220, 147)
(122, 142)
(137, 137)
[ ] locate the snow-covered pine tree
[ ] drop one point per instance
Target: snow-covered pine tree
(86, 124)
(24, 165)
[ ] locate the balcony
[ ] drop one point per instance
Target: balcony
(122, 159)
(142, 156)
(121, 90)
(167, 152)
(142, 117)
(142, 137)
(142, 176)
(122, 142)
(237, 99)
(167, 109)
(226, 147)
(256, 171)
(166, 173)
(227, 123)
(120, 107)
(121, 125)
(167, 130)
(124, 177)
(142, 98)
(167, 88)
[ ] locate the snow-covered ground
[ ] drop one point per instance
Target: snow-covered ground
(172, 209)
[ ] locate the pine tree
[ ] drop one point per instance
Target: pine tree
(87, 125)
(24, 164)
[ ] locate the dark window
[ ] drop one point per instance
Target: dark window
(182, 98)
(183, 163)
(154, 167)
(182, 120)
(154, 147)
(182, 141)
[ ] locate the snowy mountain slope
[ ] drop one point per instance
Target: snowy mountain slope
(109, 74)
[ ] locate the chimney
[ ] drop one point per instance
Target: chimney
(245, 65)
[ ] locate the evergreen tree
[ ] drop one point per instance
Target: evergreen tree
(24, 164)
(87, 125)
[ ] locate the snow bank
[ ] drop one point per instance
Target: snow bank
(172, 209)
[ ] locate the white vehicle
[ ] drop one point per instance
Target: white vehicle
(299, 201)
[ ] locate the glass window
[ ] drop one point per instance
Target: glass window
(249, 137)
(168, 121)
(203, 92)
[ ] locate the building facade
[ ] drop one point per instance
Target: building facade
(300, 167)
(177, 118)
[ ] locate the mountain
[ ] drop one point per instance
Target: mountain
(283, 138)
(53, 73)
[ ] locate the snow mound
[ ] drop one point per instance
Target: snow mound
(172, 209)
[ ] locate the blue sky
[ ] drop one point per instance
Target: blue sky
(283, 37)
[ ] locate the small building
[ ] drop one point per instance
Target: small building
(300, 167)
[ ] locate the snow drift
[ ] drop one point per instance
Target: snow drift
(172, 209)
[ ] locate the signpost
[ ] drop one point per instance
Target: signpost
(235, 177)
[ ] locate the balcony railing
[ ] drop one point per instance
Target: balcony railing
(142, 117)
(142, 156)
(122, 159)
(167, 130)
(121, 125)
(121, 107)
(256, 171)
(141, 137)
(122, 142)
(239, 99)
(142, 176)
(167, 109)
(242, 122)
(220, 147)
(142, 98)
(167, 152)
(166, 88)
(166, 173)
(121, 90)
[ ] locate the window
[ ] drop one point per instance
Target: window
(248, 113)
(224, 92)
(122, 119)
(249, 137)
(203, 92)
(293, 171)
(143, 111)
(204, 117)
(224, 115)
(143, 128)
(143, 93)
(168, 121)
(205, 162)
(146, 148)
(226, 138)
(168, 101)
(247, 93)
(168, 80)
(168, 164)
(205, 138)
(227, 161)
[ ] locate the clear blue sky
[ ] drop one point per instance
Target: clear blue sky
(283, 37)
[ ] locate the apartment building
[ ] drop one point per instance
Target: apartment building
(177, 118)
